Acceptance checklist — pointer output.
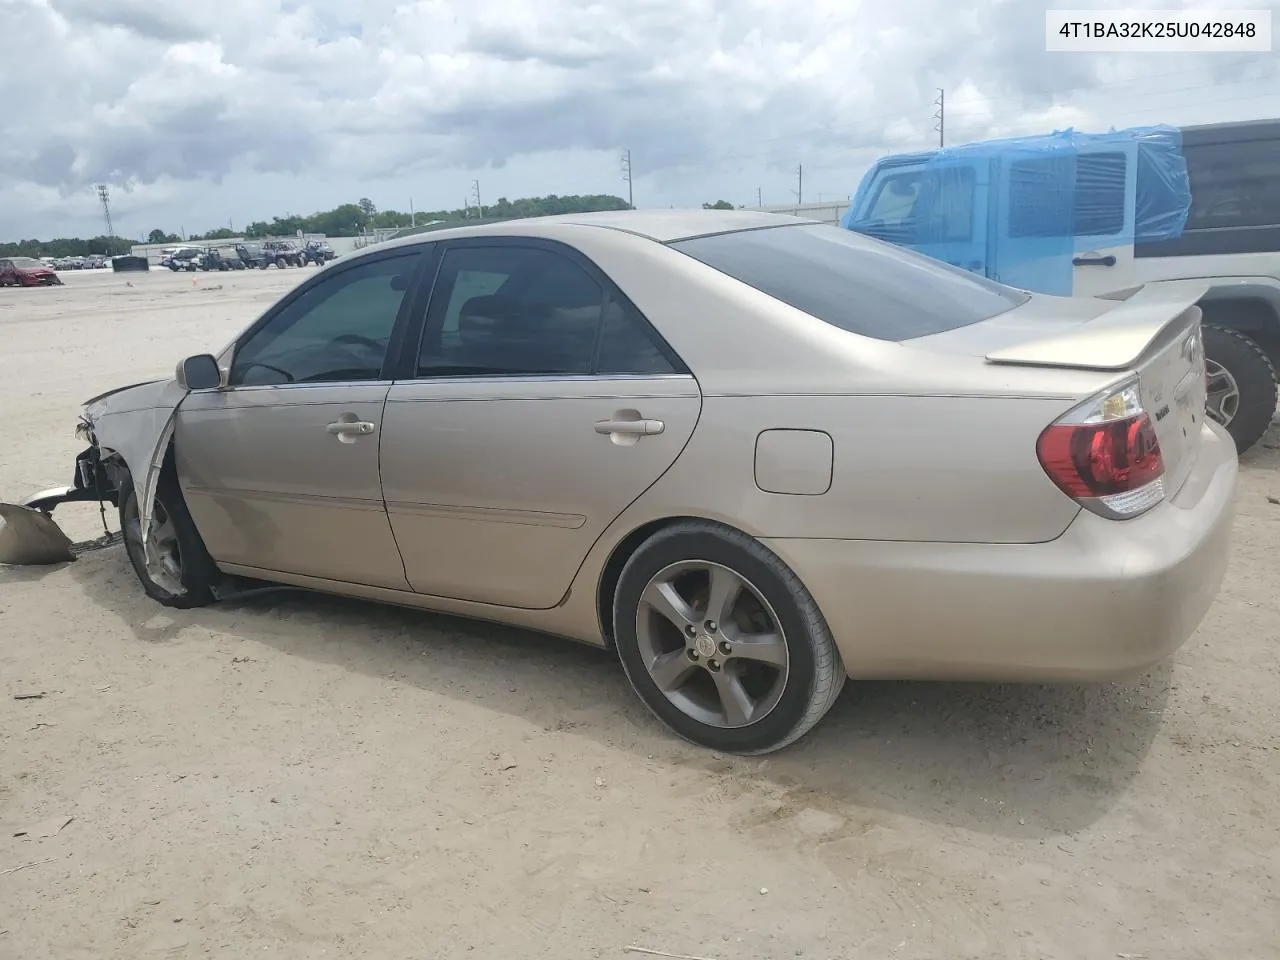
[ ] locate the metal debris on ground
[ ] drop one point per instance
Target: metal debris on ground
(101, 543)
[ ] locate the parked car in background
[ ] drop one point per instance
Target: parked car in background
(223, 258)
(27, 272)
(736, 448)
(95, 261)
(283, 253)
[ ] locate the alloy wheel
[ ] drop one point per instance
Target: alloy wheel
(1222, 393)
(712, 644)
(163, 555)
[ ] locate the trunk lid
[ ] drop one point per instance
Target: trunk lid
(1153, 333)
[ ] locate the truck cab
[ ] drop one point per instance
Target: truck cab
(1077, 214)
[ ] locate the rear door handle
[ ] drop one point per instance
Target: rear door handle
(347, 430)
(631, 428)
(1107, 261)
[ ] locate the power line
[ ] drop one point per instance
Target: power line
(866, 123)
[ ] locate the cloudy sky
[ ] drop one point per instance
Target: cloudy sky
(200, 113)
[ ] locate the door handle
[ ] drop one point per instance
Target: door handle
(1107, 261)
(631, 428)
(347, 430)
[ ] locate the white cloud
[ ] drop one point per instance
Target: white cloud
(195, 113)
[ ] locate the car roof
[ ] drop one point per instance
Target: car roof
(662, 226)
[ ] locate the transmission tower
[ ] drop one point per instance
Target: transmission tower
(626, 175)
(475, 192)
(940, 118)
(104, 197)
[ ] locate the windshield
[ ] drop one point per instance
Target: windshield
(26, 263)
(861, 285)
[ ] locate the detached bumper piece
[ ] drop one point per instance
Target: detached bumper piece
(30, 536)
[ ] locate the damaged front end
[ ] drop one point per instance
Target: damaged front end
(128, 431)
(29, 535)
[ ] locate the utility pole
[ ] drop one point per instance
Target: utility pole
(800, 185)
(104, 197)
(759, 197)
(626, 175)
(475, 190)
(413, 220)
(940, 117)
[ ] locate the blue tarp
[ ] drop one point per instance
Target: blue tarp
(1020, 209)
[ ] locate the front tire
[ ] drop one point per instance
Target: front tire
(183, 573)
(1241, 385)
(722, 641)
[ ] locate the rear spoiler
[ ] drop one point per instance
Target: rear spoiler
(1115, 340)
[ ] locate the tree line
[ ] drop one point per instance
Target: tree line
(67, 247)
(344, 220)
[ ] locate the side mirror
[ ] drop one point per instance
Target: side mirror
(199, 373)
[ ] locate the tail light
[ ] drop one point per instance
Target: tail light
(1104, 454)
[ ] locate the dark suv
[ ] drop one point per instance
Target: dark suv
(221, 258)
(252, 255)
(283, 253)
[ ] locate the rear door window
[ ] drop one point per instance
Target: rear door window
(869, 288)
(510, 310)
(1234, 184)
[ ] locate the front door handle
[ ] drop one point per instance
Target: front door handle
(631, 428)
(347, 430)
(1094, 261)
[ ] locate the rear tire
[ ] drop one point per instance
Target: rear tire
(1242, 385)
(188, 573)
(749, 676)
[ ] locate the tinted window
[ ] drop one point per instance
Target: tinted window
(1234, 184)
(1072, 195)
(855, 283)
(336, 331)
(628, 345)
(510, 310)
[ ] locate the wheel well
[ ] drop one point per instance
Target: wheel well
(1253, 316)
(612, 572)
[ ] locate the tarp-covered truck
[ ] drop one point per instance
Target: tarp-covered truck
(1081, 214)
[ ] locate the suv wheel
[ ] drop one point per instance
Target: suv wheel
(1241, 385)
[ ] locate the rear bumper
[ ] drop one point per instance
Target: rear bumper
(1105, 599)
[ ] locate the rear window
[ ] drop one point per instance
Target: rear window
(858, 284)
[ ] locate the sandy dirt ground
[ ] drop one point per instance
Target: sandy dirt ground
(295, 776)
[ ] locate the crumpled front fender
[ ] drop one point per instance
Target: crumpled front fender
(136, 424)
